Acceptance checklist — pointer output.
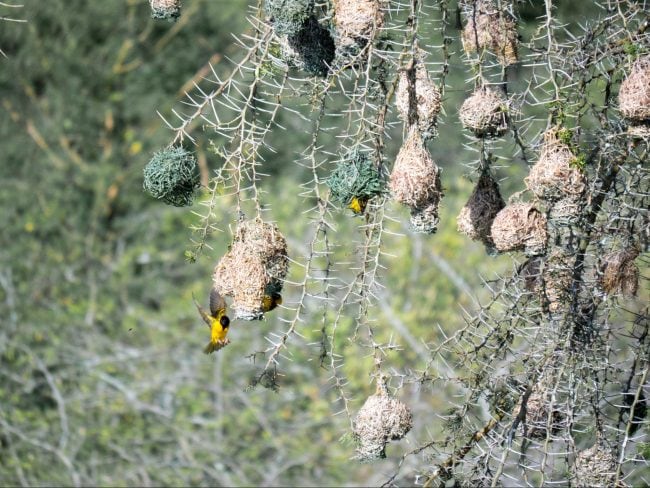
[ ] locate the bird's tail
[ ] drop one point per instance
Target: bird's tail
(210, 348)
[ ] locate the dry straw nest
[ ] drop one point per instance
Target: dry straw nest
(520, 227)
(557, 276)
(381, 419)
(595, 467)
(541, 413)
(634, 95)
(415, 182)
(427, 103)
(485, 113)
(493, 30)
(255, 266)
(165, 9)
(620, 273)
(566, 211)
(556, 175)
(476, 217)
(356, 22)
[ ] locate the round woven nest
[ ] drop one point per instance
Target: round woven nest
(172, 175)
(620, 273)
(255, 266)
(538, 408)
(381, 419)
(476, 217)
(415, 180)
(311, 48)
(555, 175)
(485, 113)
(595, 467)
(427, 102)
(356, 22)
(489, 29)
(355, 176)
(165, 9)
(634, 95)
(520, 227)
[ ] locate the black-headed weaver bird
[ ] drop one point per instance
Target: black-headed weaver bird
(358, 205)
(217, 321)
(269, 302)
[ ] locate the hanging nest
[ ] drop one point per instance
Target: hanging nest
(172, 176)
(356, 22)
(485, 113)
(595, 467)
(489, 29)
(538, 410)
(556, 174)
(165, 9)
(634, 95)
(620, 273)
(557, 277)
(355, 181)
(253, 269)
(476, 217)
(380, 420)
(520, 227)
(288, 16)
(427, 103)
(415, 182)
(313, 47)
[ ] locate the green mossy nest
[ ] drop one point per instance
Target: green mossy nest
(172, 176)
(288, 16)
(355, 177)
(165, 9)
(313, 47)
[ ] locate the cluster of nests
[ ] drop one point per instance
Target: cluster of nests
(492, 30)
(310, 45)
(253, 269)
(381, 419)
(415, 182)
(634, 98)
(595, 467)
(165, 9)
(172, 175)
(485, 113)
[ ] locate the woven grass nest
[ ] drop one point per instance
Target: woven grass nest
(555, 175)
(427, 103)
(485, 113)
(595, 467)
(538, 409)
(355, 181)
(381, 419)
(520, 227)
(476, 217)
(165, 9)
(415, 182)
(620, 273)
(489, 29)
(634, 95)
(356, 22)
(557, 277)
(288, 16)
(254, 267)
(172, 175)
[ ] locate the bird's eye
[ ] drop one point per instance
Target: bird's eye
(224, 321)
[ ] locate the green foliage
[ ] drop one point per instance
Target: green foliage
(172, 176)
(288, 16)
(355, 176)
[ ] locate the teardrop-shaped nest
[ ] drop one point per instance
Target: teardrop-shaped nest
(356, 22)
(620, 273)
(493, 30)
(555, 175)
(427, 103)
(256, 263)
(485, 113)
(634, 95)
(425, 220)
(165, 9)
(476, 217)
(415, 180)
(381, 419)
(520, 227)
(539, 408)
(595, 467)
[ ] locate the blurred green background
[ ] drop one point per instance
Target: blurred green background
(102, 379)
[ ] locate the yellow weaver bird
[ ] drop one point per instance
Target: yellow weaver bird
(217, 321)
(358, 204)
(269, 302)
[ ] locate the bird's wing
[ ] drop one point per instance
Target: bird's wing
(217, 303)
(206, 318)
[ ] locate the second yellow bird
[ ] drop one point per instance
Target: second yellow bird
(217, 321)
